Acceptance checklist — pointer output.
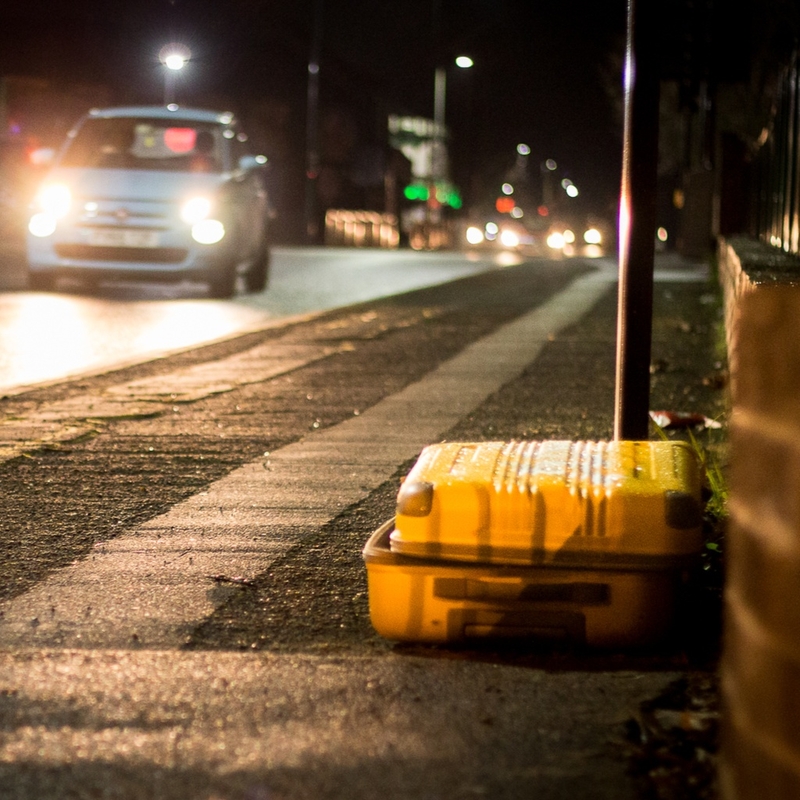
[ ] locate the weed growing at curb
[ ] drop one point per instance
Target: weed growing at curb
(708, 451)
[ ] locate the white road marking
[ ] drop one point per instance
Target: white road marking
(151, 586)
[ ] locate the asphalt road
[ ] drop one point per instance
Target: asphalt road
(170, 629)
(49, 336)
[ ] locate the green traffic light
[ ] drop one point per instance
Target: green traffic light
(445, 195)
(416, 191)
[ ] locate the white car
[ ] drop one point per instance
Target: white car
(152, 193)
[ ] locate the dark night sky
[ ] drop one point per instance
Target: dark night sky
(545, 72)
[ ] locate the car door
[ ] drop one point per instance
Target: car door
(250, 199)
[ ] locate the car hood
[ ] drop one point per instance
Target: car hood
(143, 185)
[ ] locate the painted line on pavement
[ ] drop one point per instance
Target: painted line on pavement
(152, 586)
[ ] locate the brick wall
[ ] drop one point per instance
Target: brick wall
(760, 755)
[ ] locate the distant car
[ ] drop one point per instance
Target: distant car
(152, 193)
(591, 237)
(505, 235)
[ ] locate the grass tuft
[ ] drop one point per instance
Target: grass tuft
(715, 495)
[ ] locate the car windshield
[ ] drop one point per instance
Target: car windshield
(153, 144)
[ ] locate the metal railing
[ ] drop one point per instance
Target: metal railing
(776, 212)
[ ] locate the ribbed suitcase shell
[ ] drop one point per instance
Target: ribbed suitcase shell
(585, 504)
(437, 601)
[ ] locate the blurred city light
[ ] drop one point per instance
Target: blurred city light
(444, 193)
(416, 191)
(474, 235)
(174, 56)
(174, 61)
(593, 251)
(523, 150)
(509, 238)
(465, 62)
(507, 188)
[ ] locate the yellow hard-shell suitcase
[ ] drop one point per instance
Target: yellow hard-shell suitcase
(622, 503)
(580, 541)
(436, 601)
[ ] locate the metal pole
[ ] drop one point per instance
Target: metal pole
(637, 219)
(438, 153)
(439, 91)
(432, 210)
(169, 86)
(312, 129)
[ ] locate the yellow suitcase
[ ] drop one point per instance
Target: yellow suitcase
(580, 541)
(436, 601)
(622, 503)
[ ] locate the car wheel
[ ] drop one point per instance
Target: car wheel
(257, 276)
(41, 281)
(222, 283)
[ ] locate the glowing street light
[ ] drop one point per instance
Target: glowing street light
(174, 61)
(174, 57)
(439, 93)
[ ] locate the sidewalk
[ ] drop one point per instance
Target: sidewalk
(319, 706)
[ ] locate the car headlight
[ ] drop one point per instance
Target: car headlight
(474, 235)
(509, 239)
(42, 224)
(208, 231)
(592, 236)
(54, 199)
(195, 209)
(556, 240)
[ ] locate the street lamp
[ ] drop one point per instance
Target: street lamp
(174, 57)
(439, 93)
(313, 163)
(438, 155)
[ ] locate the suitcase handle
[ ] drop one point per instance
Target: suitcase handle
(580, 592)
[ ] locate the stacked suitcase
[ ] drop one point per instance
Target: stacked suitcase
(585, 542)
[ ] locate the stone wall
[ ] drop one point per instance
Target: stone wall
(760, 754)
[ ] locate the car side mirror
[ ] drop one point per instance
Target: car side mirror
(246, 163)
